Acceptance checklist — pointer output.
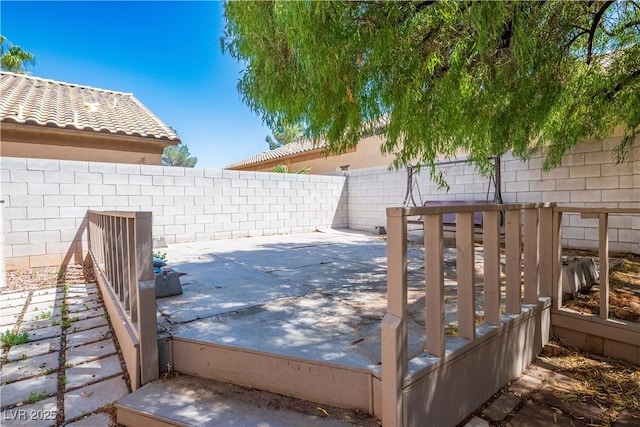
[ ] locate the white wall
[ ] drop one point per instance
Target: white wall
(587, 177)
(46, 203)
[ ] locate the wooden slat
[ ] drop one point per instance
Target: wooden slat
(513, 262)
(556, 297)
(465, 268)
(546, 251)
(592, 324)
(603, 247)
(491, 249)
(434, 283)
(531, 260)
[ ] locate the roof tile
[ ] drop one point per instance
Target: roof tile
(36, 101)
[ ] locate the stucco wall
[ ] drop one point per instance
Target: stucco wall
(588, 177)
(366, 154)
(65, 152)
(46, 203)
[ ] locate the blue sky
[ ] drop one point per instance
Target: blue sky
(166, 53)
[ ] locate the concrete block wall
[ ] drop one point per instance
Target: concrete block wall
(587, 177)
(46, 202)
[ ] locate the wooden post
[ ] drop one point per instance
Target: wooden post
(394, 325)
(547, 251)
(491, 249)
(465, 267)
(556, 296)
(603, 247)
(513, 268)
(531, 260)
(434, 283)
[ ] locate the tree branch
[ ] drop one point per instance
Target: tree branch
(594, 26)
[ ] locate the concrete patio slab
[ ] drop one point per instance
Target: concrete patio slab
(20, 391)
(88, 336)
(95, 420)
(39, 414)
(20, 369)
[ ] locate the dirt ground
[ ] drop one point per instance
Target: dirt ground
(46, 277)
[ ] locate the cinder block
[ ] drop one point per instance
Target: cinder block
(140, 180)
(45, 260)
(88, 178)
(528, 174)
(15, 263)
(517, 186)
(128, 190)
(43, 164)
(74, 189)
(185, 181)
(194, 172)
(10, 188)
(184, 219)
(173, 171)
(556, 196)
(617, 170)
(213, 173)
(27, 225)
(102, 190)
(140, 200)
(130, 169)
(109, 168)
(571, 184)
(74, 166)
(584, 171)
(66, 200)
(603, 182)
(115, 201)
(151, 170)
(64, 177)
(164, 180)
(194, 191)
(16, 238)
(173, 191)
(93, 202)
(43, 212)
(615, 195)
(13, 163)
(60, 224)
(111, 178)
(174, 229)
(73, 212)
(28, 176)
(194, 228)
(29, 249)
(44, 236)
(543, 185)
(573, 160)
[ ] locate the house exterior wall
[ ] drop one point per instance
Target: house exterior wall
(32, 141)
(367, 154)
(46, 201)
(60, 152)
(587, 177)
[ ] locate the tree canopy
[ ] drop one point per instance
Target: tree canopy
(178, 155)
(284, 134)
(439, 77)
(13, 58)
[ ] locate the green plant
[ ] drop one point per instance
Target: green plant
(55, 322)
(160, 255)
(68, 321)
(10, 338)
(36, 397)
(44, 315)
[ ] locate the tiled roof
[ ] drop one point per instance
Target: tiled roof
(36, 101)
(280, 152)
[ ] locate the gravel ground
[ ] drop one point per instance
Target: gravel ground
(45, 277)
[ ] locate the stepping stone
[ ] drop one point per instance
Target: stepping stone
(39, 414)
(88, 336)
(86, 353)
(12, 310)
(83, 300)
(90, 323)
(91, 305)
(38, 365)
(33, 325)
(85, 400)
(100, 419)
(20, 391)
(96, 312)
(90, 372)
(10, 320)
(43, 333)
(34, 348)
(476, 422)
(501, 407)
(532, 415)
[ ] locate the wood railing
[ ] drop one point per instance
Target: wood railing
(598, 333)
(120, 244)
(523, 270)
